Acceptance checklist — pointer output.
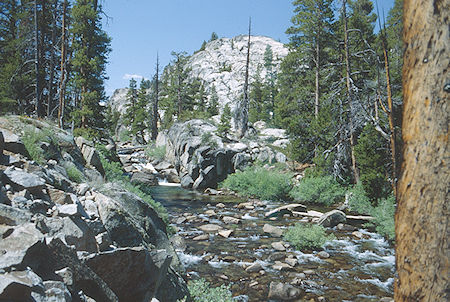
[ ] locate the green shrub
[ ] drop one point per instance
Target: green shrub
(260, 183)
(358, 200)
(307, 236)
(384, 217)
(207, 139)
(74, 174)
(155, 152)
(32, 138)
(322, 190)
(383, 213)
(202, 291)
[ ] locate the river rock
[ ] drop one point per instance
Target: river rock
(291, 261)
(287, 209)
(284, 292)
(276, 256)
(278, 246)
(231, 220)
(220, 205)
(202, 237)
(323, 255)
(280, 266)
(254, 268)
(272, 230)
(210, 227)
(225, 233)
(332, 219)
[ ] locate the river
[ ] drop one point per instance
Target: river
(357, 269)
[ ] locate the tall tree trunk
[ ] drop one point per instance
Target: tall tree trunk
(155, 102)
(349, 93)
(393, 135)
(52, 62)
(243, 119)
(39, 110)
(422, 218)
(63, 63)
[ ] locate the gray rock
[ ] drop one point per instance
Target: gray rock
(241, 161)
(90, 154)
(225, 233)
(143, 178)
(254, 268)
(187, 181)
(84, 278)
(231, 220)
(332, 219)
(129, 268)
(2, 143)
(202, 237)
(13, 143)
(210, 228)
(272, 230)
(323, 255)
(72, 230)
(55, 291)
(103, 241)
(74, 209)
(163, 166)
(21, 180)
(66, 275)
(90, 207)
(13, 216)
(82, 189)
(130, 221)
(18, 285)
(284, 292)
(278, 246)
(207, 178)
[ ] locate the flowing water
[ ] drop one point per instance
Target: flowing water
(357, 269)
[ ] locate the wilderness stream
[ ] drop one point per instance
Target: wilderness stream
(359, 268)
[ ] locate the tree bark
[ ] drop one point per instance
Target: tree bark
(155, 102)
(63, 63)
(39, 110)
(349, 94)
(422, 218)
(244, 114)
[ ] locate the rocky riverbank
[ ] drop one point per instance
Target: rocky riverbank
(69, 236)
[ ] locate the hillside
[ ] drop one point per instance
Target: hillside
(222, 64)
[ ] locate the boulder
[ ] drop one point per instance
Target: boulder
(284, 292)
(56, 291)
(18, 285)
(90, 154)
(202, 237)
(21, 180)
(130, 272)
(72, 230)
(241, 161)
(207, 178)
(103, 241)
(84, 278)
(13, 216)
(23, 247)
(2, 143)
(272, 230)
(142, 178)
(332, 219)
(13, 143)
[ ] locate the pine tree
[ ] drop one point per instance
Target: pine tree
(139, 124)
(213, 106)
(91, 46)
(225, 122)
(131, 106)
(214, 36)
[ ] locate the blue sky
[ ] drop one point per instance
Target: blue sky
(142, 28)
